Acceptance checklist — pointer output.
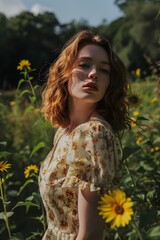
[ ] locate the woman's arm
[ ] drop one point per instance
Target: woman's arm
(91, 225)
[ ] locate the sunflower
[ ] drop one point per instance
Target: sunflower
(133, 100)
(139, 140)
(138, 72)
(12, 103)
(154, 100)
(30, 169)
(136, 113)
(4, 165)
(116, 208)
(24, 64)
(133, 122)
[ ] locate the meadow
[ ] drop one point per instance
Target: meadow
(26, 138)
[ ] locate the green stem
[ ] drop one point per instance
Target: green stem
(5, 209)
(129, 174)
(118, 235)
(26, 76)
(137, 230)
(30, 84)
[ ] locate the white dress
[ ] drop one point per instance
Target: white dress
(89, 157)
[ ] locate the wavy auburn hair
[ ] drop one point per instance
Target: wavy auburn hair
(113, 107)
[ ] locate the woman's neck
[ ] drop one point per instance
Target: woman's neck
(80, 113)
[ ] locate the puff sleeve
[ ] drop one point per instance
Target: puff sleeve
(93, 158)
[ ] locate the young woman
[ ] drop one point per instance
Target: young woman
(85, 99)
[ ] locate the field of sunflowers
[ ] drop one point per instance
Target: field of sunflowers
(131, 212)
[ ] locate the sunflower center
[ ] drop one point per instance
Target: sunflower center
(119, 209)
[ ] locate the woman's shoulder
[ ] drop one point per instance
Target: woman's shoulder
(95, 125)
(98, 124)
(58, 133)
(101, 123)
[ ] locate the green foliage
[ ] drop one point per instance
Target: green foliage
(26, 139)
(39, 38)
(141, 179)
(137, 33)
(24, 136)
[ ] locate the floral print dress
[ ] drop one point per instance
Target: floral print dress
(87, 158)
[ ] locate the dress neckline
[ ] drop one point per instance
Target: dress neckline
(92, 118)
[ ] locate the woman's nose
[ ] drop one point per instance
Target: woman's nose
(93, 73)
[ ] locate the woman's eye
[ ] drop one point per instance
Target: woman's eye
(104, 70)
(83, 65)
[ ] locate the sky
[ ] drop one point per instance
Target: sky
(93, 11)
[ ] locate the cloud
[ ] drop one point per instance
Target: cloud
(37, 8)
(11, 8)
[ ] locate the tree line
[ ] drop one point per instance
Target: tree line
(39, 38)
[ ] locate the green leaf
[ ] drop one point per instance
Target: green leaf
(12, 193)
(154, 232)
(28, 109)
(4, 154)
(6, 203)
(157, 141)
(17, 236)
(2, 215)
(30, 198)
(158, 14)
(26, 204)
(37, 147)
(9, 214)
(24, 92)
(19, 204)
(37, 198)
(34, 235)
(142, 118)
(32, 99)
(30, 78)
(19, 83)
(2, 105)
(127, 151)
(24, 185)
(36, 86)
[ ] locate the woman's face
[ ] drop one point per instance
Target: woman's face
(90, 74)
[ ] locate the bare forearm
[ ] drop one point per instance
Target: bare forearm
(91, 225)
(90, 236)
(94, 232)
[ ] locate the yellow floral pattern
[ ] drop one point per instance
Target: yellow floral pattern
(89, 157)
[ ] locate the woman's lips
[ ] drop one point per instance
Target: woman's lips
(90, 86)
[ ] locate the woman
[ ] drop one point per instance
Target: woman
(85, 99)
